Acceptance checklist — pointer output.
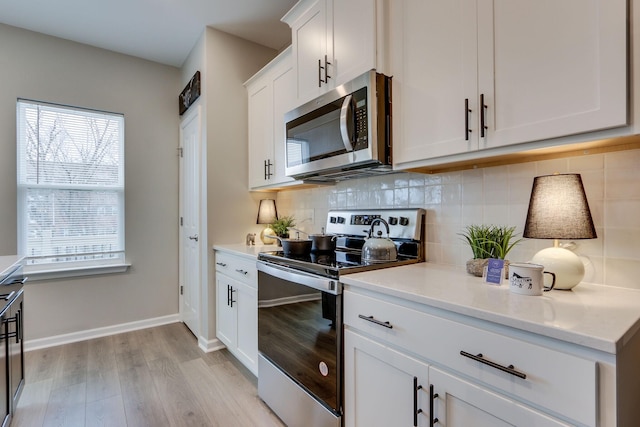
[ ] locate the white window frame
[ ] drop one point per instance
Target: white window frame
(80, 262)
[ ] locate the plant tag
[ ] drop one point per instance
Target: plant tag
(494, 271)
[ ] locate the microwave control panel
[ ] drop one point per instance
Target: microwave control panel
(361, 119)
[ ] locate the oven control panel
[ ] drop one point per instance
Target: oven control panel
(363, 219)
(403, 223)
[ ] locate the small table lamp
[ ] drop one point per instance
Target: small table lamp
(558, 209)
(267, 213)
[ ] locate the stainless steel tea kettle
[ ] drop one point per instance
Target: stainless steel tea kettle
(377, 248)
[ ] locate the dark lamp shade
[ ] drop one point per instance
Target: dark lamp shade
(558, 209)
(267, 212)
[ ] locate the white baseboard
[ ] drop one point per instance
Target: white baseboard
(210, 345)
(40, 343)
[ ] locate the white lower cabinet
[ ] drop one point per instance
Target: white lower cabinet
(381, 384)
(461, 403)
(385, 387)
(465, 375)
(237, 308)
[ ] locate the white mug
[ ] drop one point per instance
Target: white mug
(527, 279)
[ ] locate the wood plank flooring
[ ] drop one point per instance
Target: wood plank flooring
(154, 377)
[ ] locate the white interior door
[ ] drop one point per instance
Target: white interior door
(190, 241)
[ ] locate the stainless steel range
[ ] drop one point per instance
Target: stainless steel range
(300, 312)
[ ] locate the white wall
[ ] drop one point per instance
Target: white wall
(500, 195)
(225, 63)
(48, 69)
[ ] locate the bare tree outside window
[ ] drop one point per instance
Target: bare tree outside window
(70, 184)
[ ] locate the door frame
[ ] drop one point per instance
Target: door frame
(195, 113)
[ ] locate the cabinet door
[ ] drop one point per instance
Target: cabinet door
(434, 67)
(246, 305)
(354, 38)
(226, 323)
(283, 101)
(379, 385)
(559, 67)
(16, 351)
(309, 41)
(5, 397)
(460, 403)
(260, 131)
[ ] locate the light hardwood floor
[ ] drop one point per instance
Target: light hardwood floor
(153, 377)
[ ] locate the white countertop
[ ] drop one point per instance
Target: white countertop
(599, 317)
(7, 262)
(244, 250)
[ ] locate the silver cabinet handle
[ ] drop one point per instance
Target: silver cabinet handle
(376, 321)
(221, 264)
(480, 358)
(239, 270)
(194, 237)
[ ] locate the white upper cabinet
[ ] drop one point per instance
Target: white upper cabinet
(333, 42)
(559, 68)
(270, 95)
(283, 100)
(260, 129)
(354, 38)
(479, 74)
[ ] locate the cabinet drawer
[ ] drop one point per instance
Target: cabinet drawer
(239, 268)
(559, 381)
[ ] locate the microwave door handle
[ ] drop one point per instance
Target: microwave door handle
(344, 123)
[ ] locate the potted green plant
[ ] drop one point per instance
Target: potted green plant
(488, 241)
(281, 225)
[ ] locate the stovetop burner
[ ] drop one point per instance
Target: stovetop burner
(331, 264)
(406, 231)
(337, 259)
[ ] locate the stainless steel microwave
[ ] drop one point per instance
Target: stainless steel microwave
(342, 134)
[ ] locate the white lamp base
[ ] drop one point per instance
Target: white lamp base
(266, 240)
(566, 265)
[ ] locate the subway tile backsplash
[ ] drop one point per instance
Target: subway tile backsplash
(499, 195)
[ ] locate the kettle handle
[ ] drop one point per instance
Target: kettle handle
(373, 224)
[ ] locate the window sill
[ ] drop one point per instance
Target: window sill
(36, 275)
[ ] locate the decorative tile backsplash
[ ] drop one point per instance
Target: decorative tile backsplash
(499, 195)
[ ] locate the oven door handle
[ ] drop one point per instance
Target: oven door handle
(316, 282)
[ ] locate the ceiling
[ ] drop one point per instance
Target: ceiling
(158, 30)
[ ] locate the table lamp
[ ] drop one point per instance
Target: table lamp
(267, 213)
(558, 209)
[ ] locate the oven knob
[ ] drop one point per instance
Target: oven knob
(332, 220)
(393, 220)
(404, 221)
(340, 220)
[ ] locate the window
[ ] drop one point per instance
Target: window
(70, 187)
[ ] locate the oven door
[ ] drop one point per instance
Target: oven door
(300, 330)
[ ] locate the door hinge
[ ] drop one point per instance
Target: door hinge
(181, 221)
(181, 290)
(180, 152)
